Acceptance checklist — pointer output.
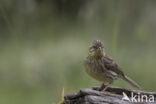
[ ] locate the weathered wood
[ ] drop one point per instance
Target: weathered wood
(113, 95)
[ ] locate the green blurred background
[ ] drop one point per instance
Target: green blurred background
(43, 44)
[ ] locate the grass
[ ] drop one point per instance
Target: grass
(62, 98)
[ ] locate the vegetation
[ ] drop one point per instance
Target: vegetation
(43, 44)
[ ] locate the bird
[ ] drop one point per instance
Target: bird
(103, 68)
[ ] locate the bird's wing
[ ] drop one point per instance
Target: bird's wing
(112, 66)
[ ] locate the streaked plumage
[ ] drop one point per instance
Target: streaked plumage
(101, 67)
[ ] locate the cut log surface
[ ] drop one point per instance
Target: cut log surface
(113, 95)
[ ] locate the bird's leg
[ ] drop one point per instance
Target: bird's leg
(105, 88)
(101, 87)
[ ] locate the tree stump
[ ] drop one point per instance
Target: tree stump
(113, 95)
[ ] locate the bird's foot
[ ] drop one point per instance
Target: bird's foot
(102, 87)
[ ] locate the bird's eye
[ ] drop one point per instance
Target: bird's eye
(94, 46)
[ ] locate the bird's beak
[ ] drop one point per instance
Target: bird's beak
(99, 49)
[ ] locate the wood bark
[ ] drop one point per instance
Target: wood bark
(113, 95)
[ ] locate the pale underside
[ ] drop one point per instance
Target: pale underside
(101, 74)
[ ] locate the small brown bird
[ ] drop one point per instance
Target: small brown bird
(103, 68)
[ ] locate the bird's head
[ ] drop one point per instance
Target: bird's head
(96, 49)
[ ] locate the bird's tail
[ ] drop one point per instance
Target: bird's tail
(130, 81)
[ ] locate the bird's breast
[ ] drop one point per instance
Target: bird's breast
(96, 69)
